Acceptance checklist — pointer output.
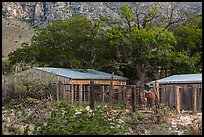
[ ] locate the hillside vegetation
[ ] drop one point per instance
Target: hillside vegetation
(14, 33)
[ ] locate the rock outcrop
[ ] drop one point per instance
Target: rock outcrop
(39, 13)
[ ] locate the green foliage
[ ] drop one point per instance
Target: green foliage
(7, 68)
(127, 12)
(149, 49)
(189, 42)
(161, 113)
(23, 86)
(69, 120)
(65, 43)
(138, 116)
(11, 104)
(154, 48)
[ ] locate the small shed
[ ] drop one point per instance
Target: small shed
(79, 76)
(74, 84)
(186, 83)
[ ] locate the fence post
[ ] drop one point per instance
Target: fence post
(111, 91)
(80, 95)
(177, 100)
(58, 87)
(120, 93)
(194, 99)
(156, 93)
(103, 95)
(92, 96)
(157, 90)
(124, 89)
(133, 98)
(72, 90)
(61, 91)
(88, 93)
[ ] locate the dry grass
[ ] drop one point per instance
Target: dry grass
(14, 33)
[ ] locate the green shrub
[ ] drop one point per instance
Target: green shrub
(6, 67)
(139, 117)
(70, 120)
(26, 86)
(11, 104)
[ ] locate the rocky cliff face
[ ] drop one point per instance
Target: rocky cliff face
(38, 13)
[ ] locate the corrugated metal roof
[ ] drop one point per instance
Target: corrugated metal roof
(183, 78)
(80, 74)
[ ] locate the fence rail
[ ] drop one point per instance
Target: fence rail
(127, 96)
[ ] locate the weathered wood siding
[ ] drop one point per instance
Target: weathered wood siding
(168, 96)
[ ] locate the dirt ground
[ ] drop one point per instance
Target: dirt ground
(184, 123)
(143, 122)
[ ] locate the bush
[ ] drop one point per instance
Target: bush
(24, 86)
(69, 120)
(11, 103)
(7, 68)
(138, 117)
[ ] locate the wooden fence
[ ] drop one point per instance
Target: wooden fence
(93, 94)
(174, 96)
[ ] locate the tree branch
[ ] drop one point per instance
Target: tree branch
(118, 64)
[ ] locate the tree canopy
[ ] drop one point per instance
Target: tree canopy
(65, 43)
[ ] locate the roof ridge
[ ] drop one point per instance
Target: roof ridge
(79, 73)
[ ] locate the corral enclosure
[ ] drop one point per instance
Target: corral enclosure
(83, 86)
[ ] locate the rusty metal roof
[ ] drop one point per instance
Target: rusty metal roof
(80, 74)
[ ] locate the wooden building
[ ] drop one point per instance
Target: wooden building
(188, 84)
(74, 84)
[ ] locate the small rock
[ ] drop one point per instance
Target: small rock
(15, 125)
(45, 123)
(173, 124)
(47, 115)
(5, 133)
(7, 121)
(21, 129)
(120, 121)
(4, 112)
(31, 127)
(78, 113)
(87, 108)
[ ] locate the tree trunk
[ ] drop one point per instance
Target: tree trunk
(141, 73)
(142, 80)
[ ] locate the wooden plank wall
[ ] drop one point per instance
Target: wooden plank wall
(199, 98)
(168, 96)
